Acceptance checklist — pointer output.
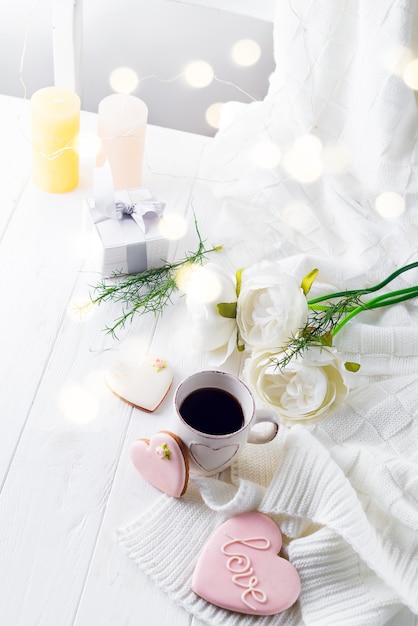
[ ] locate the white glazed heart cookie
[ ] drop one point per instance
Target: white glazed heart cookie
(144, 383)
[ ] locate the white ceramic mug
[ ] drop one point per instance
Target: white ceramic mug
(209, 452)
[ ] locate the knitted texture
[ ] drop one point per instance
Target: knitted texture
(345, 502)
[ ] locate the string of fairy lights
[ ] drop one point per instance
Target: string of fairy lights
(197, 74)
(305, 161)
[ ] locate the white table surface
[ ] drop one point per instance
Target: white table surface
(66, 480)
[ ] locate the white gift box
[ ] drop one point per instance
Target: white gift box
(125, 232)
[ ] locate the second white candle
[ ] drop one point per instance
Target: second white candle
(122, 122)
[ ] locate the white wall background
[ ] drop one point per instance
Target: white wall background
(156, 38)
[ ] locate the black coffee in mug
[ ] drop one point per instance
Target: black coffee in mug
(213, 411)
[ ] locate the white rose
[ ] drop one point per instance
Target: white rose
(272, 307)
(209, 286)
(305, 389)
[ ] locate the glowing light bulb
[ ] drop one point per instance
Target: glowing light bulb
(199, 74)
(246, 52)
(173, 226)
(123, 80)
(390, 205)
(213, 114)
(266, 155)
(410, 74)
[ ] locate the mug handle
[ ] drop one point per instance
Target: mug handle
(263, 415)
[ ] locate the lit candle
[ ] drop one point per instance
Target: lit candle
(121, 129)
(55, 126)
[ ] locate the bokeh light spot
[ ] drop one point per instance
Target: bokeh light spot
(310, 144)
(246, 52)
(396, 58)
(184, 275)
(204, 285)
(198, 74)
(213, 114)
(88, 144)
(78, 404)
(123, 80)
(173, 226)
(410, 74)
(95, 382)
(303, 160)
(390, 205)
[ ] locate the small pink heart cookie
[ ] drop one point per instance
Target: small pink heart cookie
(162, 461)
(239, 568)
(144, 383)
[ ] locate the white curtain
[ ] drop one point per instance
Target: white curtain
(341, 67)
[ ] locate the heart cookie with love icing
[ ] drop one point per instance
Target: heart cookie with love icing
(162, 461)
(239, 568)
(144, 383)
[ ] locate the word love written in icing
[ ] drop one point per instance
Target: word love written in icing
(240, 566)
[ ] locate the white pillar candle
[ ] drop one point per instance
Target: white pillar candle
(121, 129)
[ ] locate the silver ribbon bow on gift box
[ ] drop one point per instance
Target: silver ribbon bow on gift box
(139, 203)
(148, 208)
(123, 220)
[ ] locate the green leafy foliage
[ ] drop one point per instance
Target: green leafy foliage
(329, 313)
(149, 291)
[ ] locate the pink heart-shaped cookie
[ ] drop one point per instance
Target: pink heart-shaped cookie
(162, 461)
(239, 568)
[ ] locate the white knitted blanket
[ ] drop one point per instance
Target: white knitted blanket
(345, 497)
(344, 491)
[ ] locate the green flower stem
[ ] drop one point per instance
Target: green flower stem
(393, 297)
(148, 291)
(325, 307)
(361, 292)
(331, 312)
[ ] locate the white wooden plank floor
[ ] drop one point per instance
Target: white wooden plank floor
(65, 475)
